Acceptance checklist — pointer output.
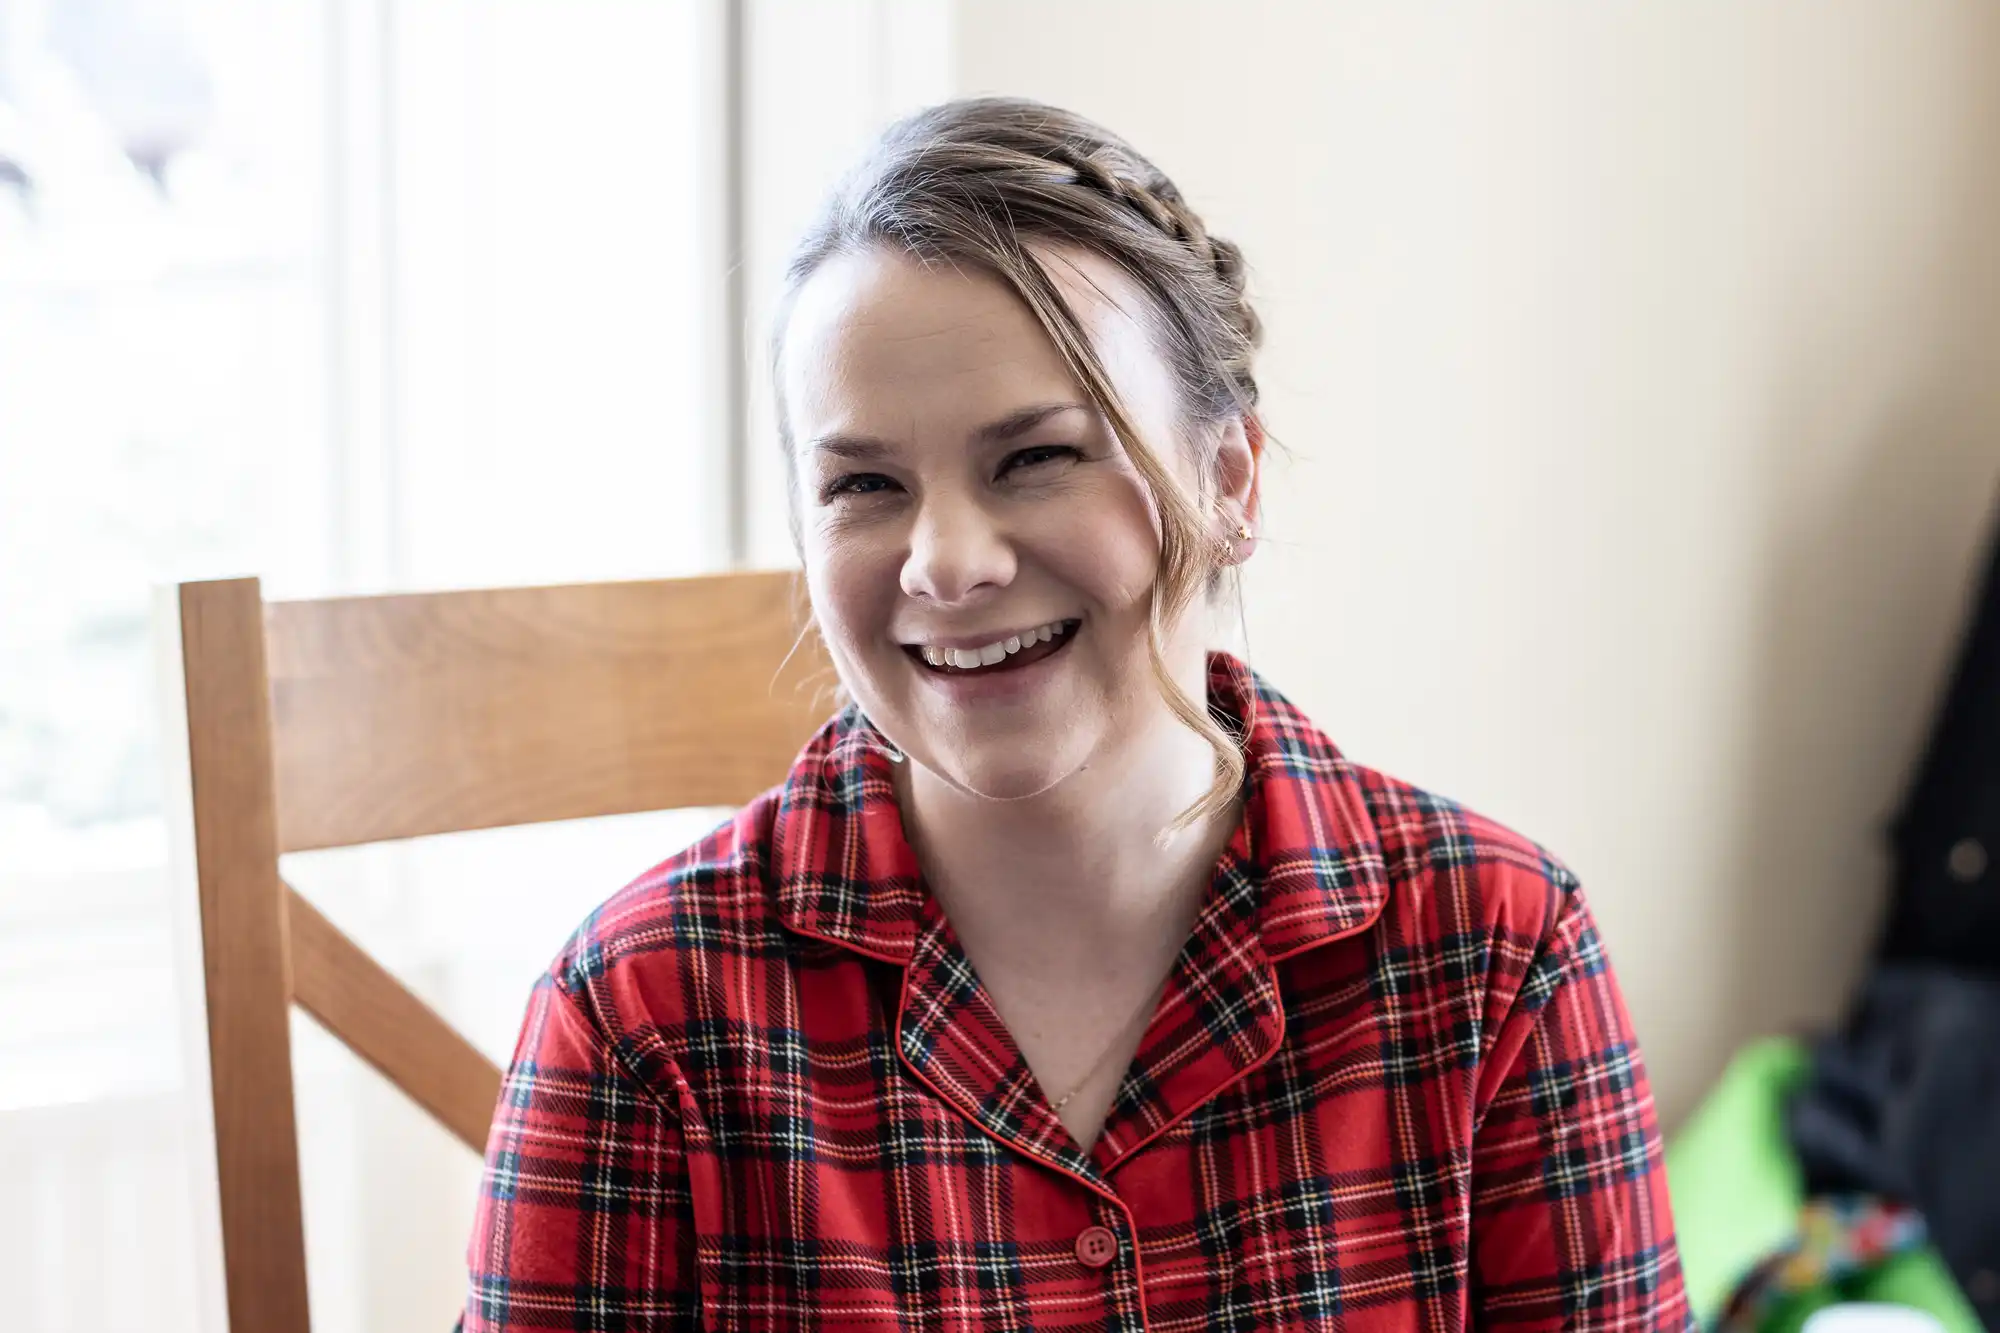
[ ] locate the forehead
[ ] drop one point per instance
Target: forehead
(880, 343)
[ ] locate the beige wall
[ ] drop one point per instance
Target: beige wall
(1641, 366)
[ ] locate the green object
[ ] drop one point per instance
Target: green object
(1921, 1280)
(1737, 1191)
(1735, 1185)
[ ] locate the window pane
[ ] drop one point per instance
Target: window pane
(163, 332)
(161, 352)
(548, 307)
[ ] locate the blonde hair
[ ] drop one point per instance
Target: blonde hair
(974, 182)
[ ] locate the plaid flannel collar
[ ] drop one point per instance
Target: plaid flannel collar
(1304, 867)
(1307, 847)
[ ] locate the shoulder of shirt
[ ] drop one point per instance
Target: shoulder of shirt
(653, 959)
(1452, 870)
(660, 953)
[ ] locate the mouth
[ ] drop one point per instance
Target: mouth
(999, 657)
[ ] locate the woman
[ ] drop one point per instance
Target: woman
(1072, 979)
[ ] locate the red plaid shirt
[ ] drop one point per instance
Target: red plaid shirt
(1390, 1085)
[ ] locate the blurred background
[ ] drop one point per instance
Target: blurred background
(1638, 369)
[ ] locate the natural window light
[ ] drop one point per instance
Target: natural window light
(353, 297)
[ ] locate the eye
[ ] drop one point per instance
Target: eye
(1039, 455)
(855, 483)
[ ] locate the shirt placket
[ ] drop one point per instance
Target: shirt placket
(951, 1038)
(1220, 1016)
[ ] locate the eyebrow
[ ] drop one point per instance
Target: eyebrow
(865, 448)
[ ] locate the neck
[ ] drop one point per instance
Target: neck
(1079, 875)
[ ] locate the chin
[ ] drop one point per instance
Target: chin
(1000, 781)
(1007, 785)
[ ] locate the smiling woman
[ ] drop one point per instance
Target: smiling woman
(991, 498)
(1072, 979)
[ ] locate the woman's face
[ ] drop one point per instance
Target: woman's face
(978, 547)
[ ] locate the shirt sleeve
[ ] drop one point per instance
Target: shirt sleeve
(1571, 1227)
(584, 1218)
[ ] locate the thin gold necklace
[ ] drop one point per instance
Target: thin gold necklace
(1145, 1011)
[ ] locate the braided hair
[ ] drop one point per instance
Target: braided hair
(975, 182)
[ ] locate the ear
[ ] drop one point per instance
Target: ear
(1239, 453)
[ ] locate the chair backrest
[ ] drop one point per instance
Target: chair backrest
(331, 723)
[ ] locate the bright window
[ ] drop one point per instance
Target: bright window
(351, 295)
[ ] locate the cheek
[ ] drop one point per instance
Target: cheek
(854, 584)
(1115, 552)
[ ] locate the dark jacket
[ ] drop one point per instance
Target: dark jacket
(1905, 1101)
(1945, 842)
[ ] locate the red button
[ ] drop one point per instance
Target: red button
(1096, 1247)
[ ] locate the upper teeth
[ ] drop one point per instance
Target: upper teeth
(965, 659)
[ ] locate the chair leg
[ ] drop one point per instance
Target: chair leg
(245, 970)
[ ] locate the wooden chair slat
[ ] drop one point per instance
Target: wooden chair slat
(383, 1022)
(429, 713)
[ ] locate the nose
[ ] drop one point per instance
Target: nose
(956, 550)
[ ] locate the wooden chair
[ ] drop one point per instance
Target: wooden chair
(331, 723)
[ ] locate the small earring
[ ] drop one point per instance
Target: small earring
(1243, 531)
